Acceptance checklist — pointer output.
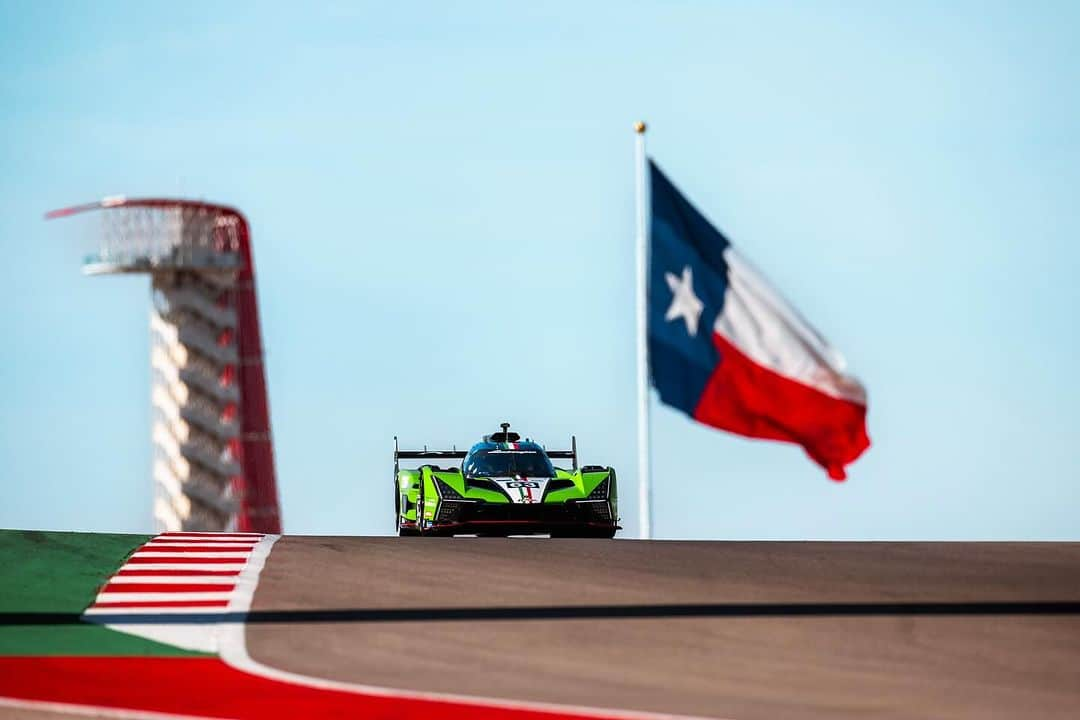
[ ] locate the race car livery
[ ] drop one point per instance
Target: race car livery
(504, 486)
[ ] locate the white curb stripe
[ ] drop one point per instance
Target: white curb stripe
(144, 610)
(159, 596)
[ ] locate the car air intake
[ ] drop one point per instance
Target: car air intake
(601, 511)
(449, 511)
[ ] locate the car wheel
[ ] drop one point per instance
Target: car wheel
(420, 505)
(397, 506)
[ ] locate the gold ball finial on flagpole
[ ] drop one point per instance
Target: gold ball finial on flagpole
(640, 127)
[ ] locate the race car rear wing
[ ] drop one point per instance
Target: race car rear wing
(570, 454)
(455, 454)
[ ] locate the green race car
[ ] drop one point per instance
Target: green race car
(505, 486)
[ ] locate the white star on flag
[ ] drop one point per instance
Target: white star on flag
(684, 303)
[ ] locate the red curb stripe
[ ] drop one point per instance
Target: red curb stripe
(180, 559)
(159, 603)
(182, 541)
(166, 587)
(192, 548)
(177, 573)
(208, 687)
(194, 539)
(244, 536)
(203, 541)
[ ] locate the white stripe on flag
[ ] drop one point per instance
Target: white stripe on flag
(760, 322)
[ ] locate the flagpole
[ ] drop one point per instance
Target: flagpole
(644, 479)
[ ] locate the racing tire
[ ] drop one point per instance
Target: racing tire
(397, 507)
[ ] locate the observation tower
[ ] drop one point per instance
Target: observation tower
(213, 466)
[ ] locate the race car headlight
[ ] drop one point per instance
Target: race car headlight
(600, 492)
(446, 492)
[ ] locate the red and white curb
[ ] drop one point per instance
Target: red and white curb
(169, 582)
(189, 574)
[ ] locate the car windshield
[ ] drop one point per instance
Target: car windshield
(508, 463)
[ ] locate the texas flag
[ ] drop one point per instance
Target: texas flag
(730, 352)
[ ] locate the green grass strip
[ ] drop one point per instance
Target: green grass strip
(60, 572)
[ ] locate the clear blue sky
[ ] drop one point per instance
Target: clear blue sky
(441, 198)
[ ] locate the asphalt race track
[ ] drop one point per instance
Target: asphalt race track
(741, 630)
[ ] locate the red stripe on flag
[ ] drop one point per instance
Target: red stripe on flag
(176, 573)
(746, 398)
(160, 603)
(166, 587)
(181, 559)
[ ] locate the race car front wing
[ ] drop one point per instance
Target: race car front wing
(464, 516)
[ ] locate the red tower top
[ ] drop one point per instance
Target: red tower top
(178, 241)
